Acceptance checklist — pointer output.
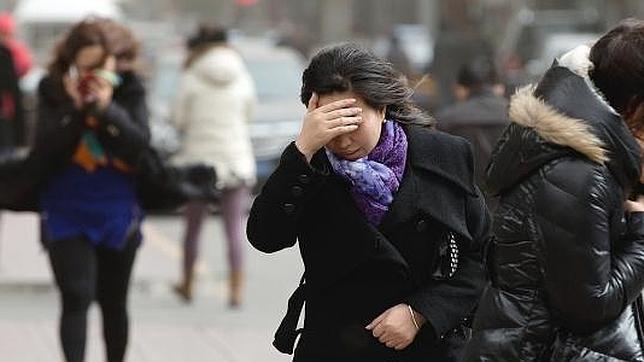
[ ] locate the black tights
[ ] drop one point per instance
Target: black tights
(83, 273)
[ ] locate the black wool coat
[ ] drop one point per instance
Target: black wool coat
(355, 271)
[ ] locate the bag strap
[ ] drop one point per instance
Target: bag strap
(287, 332)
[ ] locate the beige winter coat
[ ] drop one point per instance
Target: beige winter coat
(212, 111)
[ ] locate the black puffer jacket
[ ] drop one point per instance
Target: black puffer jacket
(567, 263)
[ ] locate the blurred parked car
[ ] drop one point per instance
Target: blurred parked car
(277, 73)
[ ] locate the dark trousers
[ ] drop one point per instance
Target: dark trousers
(83, 273)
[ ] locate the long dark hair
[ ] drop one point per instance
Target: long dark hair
(349, 67)
(618, 70)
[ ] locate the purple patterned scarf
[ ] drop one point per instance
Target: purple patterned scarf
(376, 178)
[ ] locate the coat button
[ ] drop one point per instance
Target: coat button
(288, 208)
(297, 191)
(113, 131)
(66, 120)
(421, 225)
(304, 179)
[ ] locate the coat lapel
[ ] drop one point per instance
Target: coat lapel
(438, 180)
(404, 205)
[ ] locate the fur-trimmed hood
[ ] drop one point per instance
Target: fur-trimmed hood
(563, 115)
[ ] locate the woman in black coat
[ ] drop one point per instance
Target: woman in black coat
(567, 261)
(90, 175)
(386, 214)
(92, 128)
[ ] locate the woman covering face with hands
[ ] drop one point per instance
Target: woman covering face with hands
(91, 175)
(387, 217)
(91, 133)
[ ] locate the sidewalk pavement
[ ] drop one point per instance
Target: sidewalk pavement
(162, 328)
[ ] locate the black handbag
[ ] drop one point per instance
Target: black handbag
(164, 187)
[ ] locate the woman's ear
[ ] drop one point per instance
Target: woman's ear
(382, 112)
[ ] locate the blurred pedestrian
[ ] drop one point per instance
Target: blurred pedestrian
(90, 174)
(452, 50)
(11, 111)
(22, 58)
(480, 113)
(514, 74)
(387, 216)
(94, 120)
(567, 261)
(214, 105)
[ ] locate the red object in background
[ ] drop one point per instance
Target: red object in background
(7, 24)
(22, 58)
(246, 2)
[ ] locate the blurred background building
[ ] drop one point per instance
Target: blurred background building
(426, 39)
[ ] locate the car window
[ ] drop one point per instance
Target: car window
(275, 78)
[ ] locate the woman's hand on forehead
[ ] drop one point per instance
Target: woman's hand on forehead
(323, 123)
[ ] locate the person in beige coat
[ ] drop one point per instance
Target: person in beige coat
(212, 111)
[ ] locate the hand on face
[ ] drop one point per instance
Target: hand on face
(322, 124)
(71, 87)
(101, 88)
(395, 328)
(86, 85)
(102, 91)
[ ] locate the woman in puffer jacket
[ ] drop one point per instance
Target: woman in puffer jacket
(567, 262)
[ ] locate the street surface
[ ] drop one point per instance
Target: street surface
(163, 329)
